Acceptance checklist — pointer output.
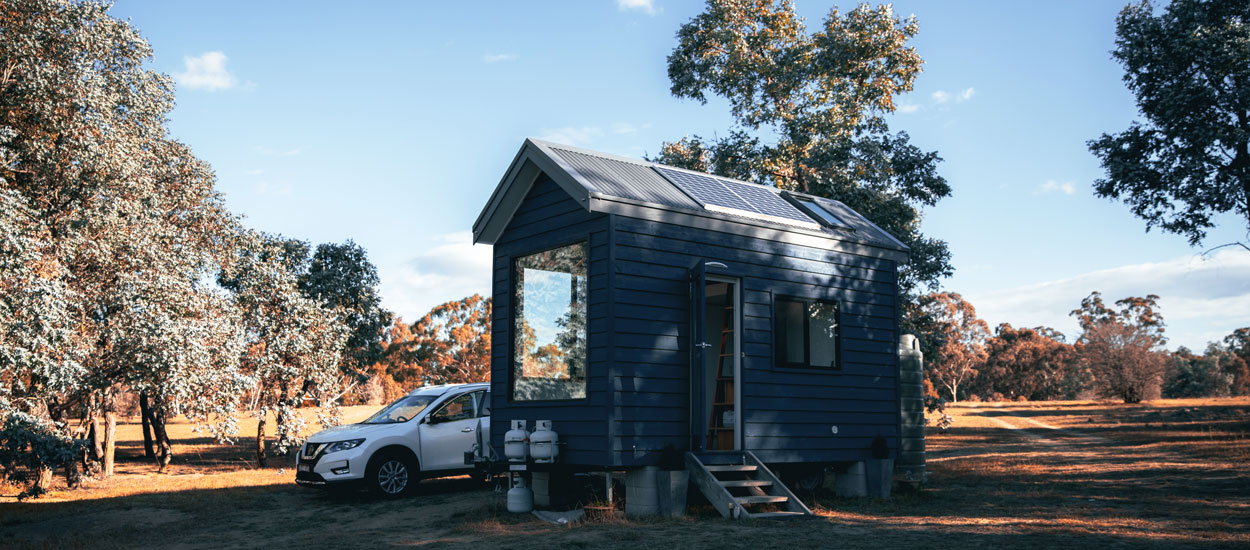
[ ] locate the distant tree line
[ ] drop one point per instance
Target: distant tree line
(1119, 355)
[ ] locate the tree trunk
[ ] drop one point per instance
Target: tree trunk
(164, 450)
(261, 459)
(954, 388)
(44, 479)
(97, 439)
(73, 476)
(110, 441)
(145, 413)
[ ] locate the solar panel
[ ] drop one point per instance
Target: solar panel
(767, 202)
(742, 199)
(705, 189)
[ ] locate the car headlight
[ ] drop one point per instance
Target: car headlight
(344, 445)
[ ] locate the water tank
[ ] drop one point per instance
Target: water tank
(516, 443)
(910, 466)
(520, 497)
(544, 442)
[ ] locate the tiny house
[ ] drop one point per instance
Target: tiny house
(644, 308)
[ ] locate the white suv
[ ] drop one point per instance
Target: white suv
(423, 434)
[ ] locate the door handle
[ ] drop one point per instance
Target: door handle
(466, 430)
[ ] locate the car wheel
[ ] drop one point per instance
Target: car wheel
(391, 475)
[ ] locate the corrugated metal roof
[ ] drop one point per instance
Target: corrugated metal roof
(588, 174)
(627, 180)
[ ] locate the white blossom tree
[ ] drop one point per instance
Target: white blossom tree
(295, 343)
(120, 223)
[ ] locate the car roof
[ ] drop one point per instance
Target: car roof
(444, 388)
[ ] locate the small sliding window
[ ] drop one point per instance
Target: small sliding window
(807, 334)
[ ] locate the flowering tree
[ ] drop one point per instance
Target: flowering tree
(295, 343)
(111, 227)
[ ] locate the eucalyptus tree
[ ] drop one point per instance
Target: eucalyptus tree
(294, 343)
(1123, 348)
(112, 205)
(342, 277)
(809, 111)
(1188, 162)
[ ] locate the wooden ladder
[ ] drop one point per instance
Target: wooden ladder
(720, 436)
(736, 482)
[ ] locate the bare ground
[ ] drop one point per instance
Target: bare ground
(1166, 474)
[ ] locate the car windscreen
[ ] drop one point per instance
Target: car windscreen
(402, 410)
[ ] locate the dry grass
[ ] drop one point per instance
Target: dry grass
(1159, 475)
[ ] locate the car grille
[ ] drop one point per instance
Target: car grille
(312, 451)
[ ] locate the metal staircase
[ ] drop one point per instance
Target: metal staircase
(740, 486)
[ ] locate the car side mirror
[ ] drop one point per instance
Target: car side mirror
(432, 419)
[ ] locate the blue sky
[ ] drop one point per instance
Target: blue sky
(390, 124)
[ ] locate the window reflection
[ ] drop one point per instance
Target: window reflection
(806, 333)
(549, 325)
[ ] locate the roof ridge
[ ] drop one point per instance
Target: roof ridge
(593, 153)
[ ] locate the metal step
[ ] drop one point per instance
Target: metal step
(762, 482)
(765, 499)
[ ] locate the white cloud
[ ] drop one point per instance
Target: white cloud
(908, 108)
(1051, 186)
(453, 269)
(499, 57)
(645, 6)
(1202, 298)
(942, 96)
(255, 172)
(570, 135)
(206, 72)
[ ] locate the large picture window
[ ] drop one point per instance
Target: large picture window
(549, 325)
(806, 334)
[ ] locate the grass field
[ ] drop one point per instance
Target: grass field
(1166, 474)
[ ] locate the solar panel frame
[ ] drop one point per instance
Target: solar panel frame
(767, 202)
(738, 198)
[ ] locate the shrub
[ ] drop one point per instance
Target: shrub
(29, 445)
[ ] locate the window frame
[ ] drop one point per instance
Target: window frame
(806, 365)
(473, 400)
(512, 354)
(801, 202)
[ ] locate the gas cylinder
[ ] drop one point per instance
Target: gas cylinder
(516, 443)
(544, 442)
(520, 497)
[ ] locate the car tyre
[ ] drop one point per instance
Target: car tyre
(391, 475)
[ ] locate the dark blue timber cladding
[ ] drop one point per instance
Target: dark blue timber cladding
(788, 414)
(547, 218)
(638, 349)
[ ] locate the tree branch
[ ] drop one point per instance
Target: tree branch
(1238, 243)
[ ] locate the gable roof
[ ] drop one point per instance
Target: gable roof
(602, 182)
